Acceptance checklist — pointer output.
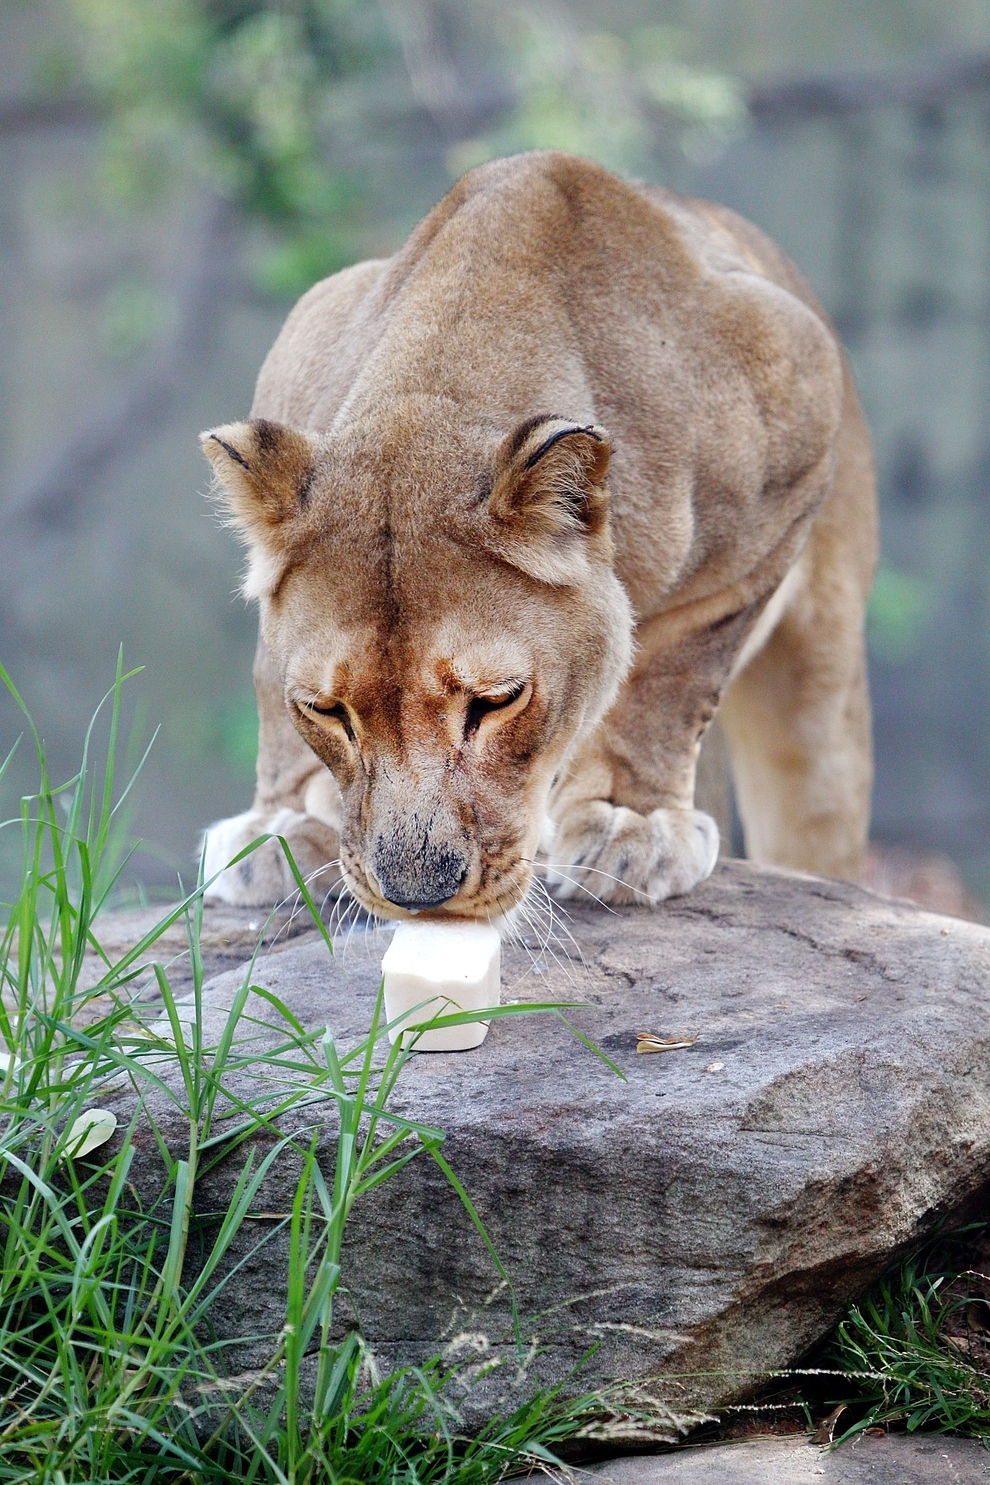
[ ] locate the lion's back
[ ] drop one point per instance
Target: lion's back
(309, 354)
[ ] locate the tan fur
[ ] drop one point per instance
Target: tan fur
(516, 500)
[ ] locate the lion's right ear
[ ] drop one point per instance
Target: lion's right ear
(265, 473)
(548, 503)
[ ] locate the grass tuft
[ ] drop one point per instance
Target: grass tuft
(920, 1342)
(109, 1369)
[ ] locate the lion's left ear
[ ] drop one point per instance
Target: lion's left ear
(265, 472)
(550, 496)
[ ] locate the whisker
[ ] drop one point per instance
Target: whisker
(338, 910)
(526, 916)
(339, 916)
(350, 920)
(508, 930)
(328, 896)
(539, 916)
(327, 866)
(372, 935)
(339, 885)
(517, 938)
(347, 908)
(579, 866)
(551, 866)
(550, 936)
(296, 900)
(555, 910)
(360, 918)
(586, 890)
(554, 934)
(562, 962)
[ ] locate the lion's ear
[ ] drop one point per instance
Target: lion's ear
(265, 473)
(549, 493)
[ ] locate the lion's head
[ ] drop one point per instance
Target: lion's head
(440, 600)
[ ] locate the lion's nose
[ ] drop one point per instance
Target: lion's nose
(414, 904)
(426, 878)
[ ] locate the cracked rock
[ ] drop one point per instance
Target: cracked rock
(895, 1459)
(704, 1221)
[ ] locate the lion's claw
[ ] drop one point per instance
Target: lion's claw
(612, 853)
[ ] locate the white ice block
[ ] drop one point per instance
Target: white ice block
(452, 966)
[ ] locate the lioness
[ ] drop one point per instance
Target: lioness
(525, 504)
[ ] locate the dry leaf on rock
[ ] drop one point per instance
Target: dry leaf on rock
(648, 1041)
(88, 1132)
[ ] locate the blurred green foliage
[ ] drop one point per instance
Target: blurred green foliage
(247, 97)
(234, 94)
(132, 317)
(612, 97)
(899, 608)
(239, 735)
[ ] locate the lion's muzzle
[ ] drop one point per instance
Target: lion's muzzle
(413, 870)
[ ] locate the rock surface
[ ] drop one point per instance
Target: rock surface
(895, 1459)
(228, 939)
(704, 1220)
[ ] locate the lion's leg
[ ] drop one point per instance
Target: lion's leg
(798, 716)
(625, 825)
(295, 797)
(798, 723)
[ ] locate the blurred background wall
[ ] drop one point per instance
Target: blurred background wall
(174, 172)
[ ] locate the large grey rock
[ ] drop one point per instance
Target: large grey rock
(228, 938)
(895, 1459)
(705, 1220)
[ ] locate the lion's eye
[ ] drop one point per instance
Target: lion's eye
(337, 713)
(479, 707)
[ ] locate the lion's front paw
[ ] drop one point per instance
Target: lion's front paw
(607, 851)
(265, 878)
